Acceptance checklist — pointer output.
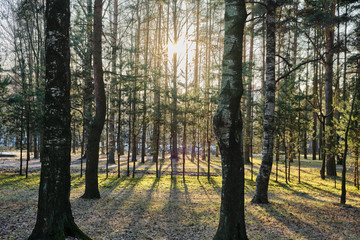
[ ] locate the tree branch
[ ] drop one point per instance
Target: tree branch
(286, 61)
(297, 67)
(315, 47)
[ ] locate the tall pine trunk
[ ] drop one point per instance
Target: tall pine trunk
(113, 83)
(248, 131)
(97, 124)
(329, 74)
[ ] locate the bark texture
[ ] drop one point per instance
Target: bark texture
(54, 216)
(88, 89)
(114, 48)
(329, 75)
(262, 180)
(97, 123)
(248, 130)
(228, 126)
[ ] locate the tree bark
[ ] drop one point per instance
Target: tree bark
(262, 180)
(97, 124)
(329, 74)
(228, 126)
(144, 120)
(113, 83)
(315, 118)
(157, 112)
(174, 95)
(88, 89)
(248, 132)
(54, 216)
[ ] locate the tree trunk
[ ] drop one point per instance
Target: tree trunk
(356, 167)
(315, 118)
(262, 180)
(88, 89)
(97, 124)
(144, 120)
(113, 83)
(21, 139)
(54, 216)
(166, 81)
(134, 94)
(228, 126)
(174, 122)
(36, 152)
(157, 112)
(186, 92)
(343, 178)
(248, 131)
(329, 74)
(196, 79)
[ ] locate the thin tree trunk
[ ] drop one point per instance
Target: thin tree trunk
(277, 157)
(28, 137)
(114, 48)
(88, 89)
(144, 121)
(356, 168)
(323, 152)
(166, 81)
(97, 124)
(196, 78)
(248, 132)
(186, 91)
(315, 120)
(129, 136)
(156, 137)
(174, 122)
(21, 139)
(73, 137)
(329, 74)
(343, 178)
(262, 180)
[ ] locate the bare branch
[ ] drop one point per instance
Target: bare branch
(297, 67)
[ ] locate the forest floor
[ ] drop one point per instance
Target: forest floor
(170, 208)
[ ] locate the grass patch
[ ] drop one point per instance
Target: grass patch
(170, 208)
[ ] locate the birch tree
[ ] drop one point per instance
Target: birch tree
(228, 126)
(262, 180)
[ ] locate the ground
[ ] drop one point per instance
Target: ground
(148, 208)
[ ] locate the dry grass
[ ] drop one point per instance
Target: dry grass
(150, 208)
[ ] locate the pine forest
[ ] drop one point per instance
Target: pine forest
(179, 119)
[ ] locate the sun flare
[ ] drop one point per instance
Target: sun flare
(178, 48)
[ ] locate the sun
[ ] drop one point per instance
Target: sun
(178, 47)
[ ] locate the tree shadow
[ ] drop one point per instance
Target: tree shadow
(292, 222)
(215, 185)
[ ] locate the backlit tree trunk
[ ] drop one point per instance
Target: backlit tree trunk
(228, 126)
(88, 89)
(174, 94)
(97, 124)
(329, 74)
(248, 131)
(113, 84)
(262, 180)
(54, 217)
(157, 111)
